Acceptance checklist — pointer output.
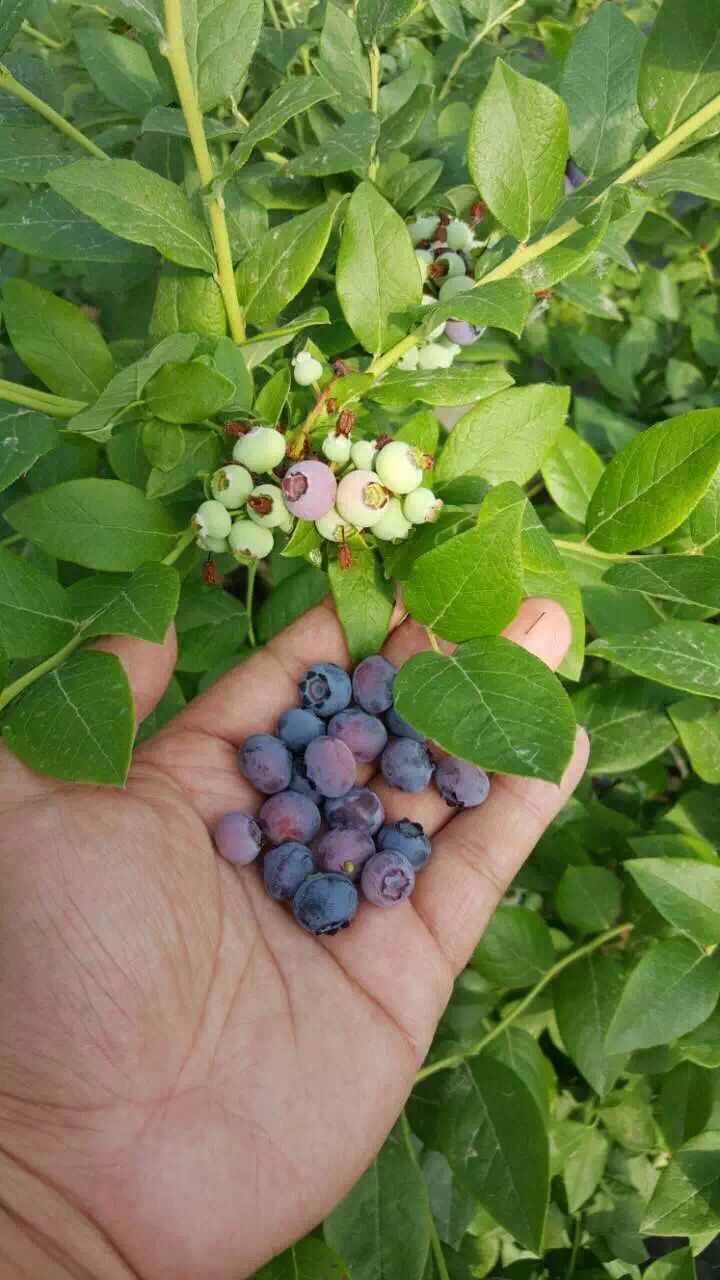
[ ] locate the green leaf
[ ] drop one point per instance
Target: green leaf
(686, 893)
(654, 482)
(164, 443)
(382, 1227)
(121, 69)
(628, 1119)
(697, 721)
(303, 539)
(507, 437)
(342, 60)
(400, 559)
(128, 385)
(401, 125)
(686, 1200)
(698, 176)
(56, 341)
(77, 722)
(35, 617)
(584, 1167)
(228, 360)
(188, 392)
(599, 84)
(515, 950)
(585, 997)
(491, 703)
(138, 205)
(588, 898)
(201, 456)
(492, 1134)
(546, 574)
(423, 431)
(346, 150)
(377, 19)
(406, 188)
(272, 399)
(451, 1207)
(682, 579)
(518, 149)
(377, 276)
(282, 263)
(220, 37)
(364, 601)
(627, 724)
(146, 15)
(703, 1044)
(472, 585)
(504, 304)
(12, 14)
(309, 1259)
(102, 524)
(685, 1103)
(293, 597)
(143, 605)
(460, 385)
(449, 15)
(25, 436)
(679, 1265)
(31, 153)
(211, 626)
(571, 472)
(41, 224)
(36, 75)
(680, 69)
(683, 655)
(288, 100)
(672, 989)
(520, 1051)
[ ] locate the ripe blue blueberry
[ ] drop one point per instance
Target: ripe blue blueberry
(387, 878)
(408, 838)
(330, 766)
(361, 809)
(285, 868)
(400, 728)
(325, 903)
(266, 763)
(365, 735)
(462, 333)
(373, 684)
(405, 764)
(297, 727)
(345, 849)
(238, 838)
(289, 816)
(325, 689)
(460, 784)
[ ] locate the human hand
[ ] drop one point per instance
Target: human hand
(188, 1082)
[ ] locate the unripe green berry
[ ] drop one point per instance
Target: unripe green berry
(336, 448)
(423, 228)
(361, 499)
(422, 507)
(332, 528)
(249, 542)
(399, 467)
(455, 264)
(212, 520)
(262, 497)
(231, 485)
(437, 355)
(306, 369)
(393, 526)
(260, 450)
(409, 362)
(459, 235)
(216, 545)
(455, 285)
(438, 331)
(363, 454)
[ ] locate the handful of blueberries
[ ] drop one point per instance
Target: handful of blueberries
(309, 772)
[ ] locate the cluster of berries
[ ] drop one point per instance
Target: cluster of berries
(369, 484)
(442, 247)
(308, 771)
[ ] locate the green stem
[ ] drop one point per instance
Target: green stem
(15, 537)
(42, 669)
(182, 544)
(374, 61)
(577, 1241)
(433, 640)
(586, 550)
(470, 48)
(42, 401)
(305, 57)
(456, 1059)
(49, 41)
(13, 86)
(273, 15)
(187, 97)
(249, 599)
(435, 1244)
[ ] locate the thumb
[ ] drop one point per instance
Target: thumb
(147, 666)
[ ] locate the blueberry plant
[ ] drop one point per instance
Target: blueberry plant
(319, 297)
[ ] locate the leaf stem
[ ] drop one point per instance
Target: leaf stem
(14, 537)
(177, 57)
(249, 600)
(184, 541)
(586, 550)
(50, 664)
(470, 48)
(49, 41)
(42, 401)
(435, 1244)
(19, 91)
(433, 640)
(273, 15)
(374, 61)
(456, 1059)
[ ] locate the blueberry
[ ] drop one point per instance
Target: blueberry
(460, 784)
(302, 784)
(285, 868)
(238, 838)
(373, 684)
(365, 735)
(266, 763)
(361, 809)
(325, 689)
(297, 727)
(330, 766)
(400, 728)
(289, 816)
(361, 499)
(325, 903)
(463, 333)
(406, 765)
(309, 490)
(408, 838)
(387, 878)
(345, 849)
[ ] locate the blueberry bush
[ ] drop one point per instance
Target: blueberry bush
(312, 297)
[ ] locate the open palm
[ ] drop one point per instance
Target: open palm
(188, 1082)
